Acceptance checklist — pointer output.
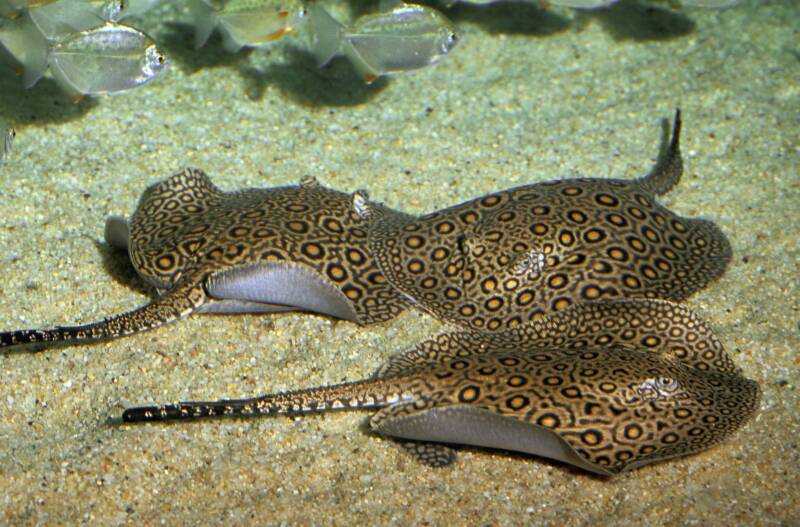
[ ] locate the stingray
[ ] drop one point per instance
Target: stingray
(606, 387)
(504, 259)
(290, 248)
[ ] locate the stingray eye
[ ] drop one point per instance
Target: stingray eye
(667, 384)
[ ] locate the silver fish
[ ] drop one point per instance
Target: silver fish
(106, 59)
(62, 19)
(405, 38)
(246, 23)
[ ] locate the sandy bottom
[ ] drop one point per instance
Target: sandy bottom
(528, 96)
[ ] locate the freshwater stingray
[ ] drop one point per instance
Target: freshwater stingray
(253, 251)
(606, 387)
(504, 259)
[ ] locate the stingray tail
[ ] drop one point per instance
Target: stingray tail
(174, 305)
(373, 393)
(669, 168)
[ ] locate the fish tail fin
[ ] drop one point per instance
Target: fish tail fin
(204, 22)
(365, 71)
(29, 47)
(669, 167)
(229, 43)
(36, 61)
(326, 34)
(172, 306)
(32, 72)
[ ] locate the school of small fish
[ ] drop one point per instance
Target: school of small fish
(86, 48)
(89, 51)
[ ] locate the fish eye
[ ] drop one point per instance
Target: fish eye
(667, 383)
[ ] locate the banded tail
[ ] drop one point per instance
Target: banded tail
(372, 393)
(669, 168)
(174, 305)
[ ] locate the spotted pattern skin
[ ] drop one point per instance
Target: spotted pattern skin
(504, 259)
(671, 330)
(187, 224)
(603, 388)
(186, 233)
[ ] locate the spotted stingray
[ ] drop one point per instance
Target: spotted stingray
(258, 250)
(606, 387)
(504, 259)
